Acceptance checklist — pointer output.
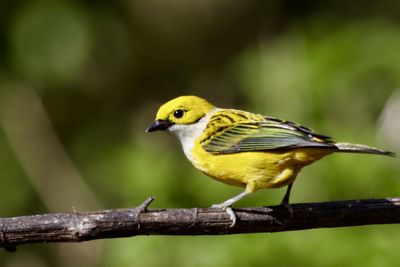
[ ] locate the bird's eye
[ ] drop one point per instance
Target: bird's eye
(179, 113)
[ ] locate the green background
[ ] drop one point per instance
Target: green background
(81, 80)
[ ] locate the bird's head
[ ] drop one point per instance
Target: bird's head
(183, 110)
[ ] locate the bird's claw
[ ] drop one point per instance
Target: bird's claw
(288, 207)
(232, 216)
(229, 211)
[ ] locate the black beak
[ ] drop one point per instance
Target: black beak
(159, 125)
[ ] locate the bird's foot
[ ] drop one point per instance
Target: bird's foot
(229, 211)
(287, 206)
(219, 206)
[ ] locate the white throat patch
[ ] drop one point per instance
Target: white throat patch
(189, 133)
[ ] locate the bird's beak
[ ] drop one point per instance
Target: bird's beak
(159, 125)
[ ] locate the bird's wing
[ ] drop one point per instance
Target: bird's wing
(265, 134)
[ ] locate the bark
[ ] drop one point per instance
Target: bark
(77, 227)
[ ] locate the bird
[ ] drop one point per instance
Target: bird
(246, 149)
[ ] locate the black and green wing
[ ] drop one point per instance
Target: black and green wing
(264, 135)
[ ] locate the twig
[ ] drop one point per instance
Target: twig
(77, 227)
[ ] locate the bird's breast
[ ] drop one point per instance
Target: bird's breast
(265, 168)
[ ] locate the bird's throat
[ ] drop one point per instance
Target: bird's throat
(188, 134)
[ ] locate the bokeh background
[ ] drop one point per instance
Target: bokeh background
(81, 80)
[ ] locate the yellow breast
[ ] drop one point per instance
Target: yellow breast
(263, 169)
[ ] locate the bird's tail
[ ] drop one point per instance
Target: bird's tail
(356, 148)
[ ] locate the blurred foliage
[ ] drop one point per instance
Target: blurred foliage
(102, 68)
(49, 41)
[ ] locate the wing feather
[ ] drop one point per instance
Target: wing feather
(264, 135)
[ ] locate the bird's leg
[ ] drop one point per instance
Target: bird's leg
(285, 200)
(227, 206)
(230, 201)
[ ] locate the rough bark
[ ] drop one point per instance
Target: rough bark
(77, 227)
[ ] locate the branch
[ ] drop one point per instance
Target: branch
(77, 227)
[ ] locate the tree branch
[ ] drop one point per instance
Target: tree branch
(77, 227)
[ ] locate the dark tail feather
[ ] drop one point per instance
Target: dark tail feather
(356, 148)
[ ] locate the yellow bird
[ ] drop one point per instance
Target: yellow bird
(245, 149)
